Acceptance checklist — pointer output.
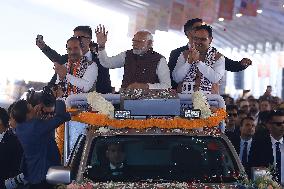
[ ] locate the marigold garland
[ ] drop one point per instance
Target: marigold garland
(100, 120)
(59, 138)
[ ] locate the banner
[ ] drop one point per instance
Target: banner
(226, 9)
(249, 7)
(281, 60)
(192, 10)
(263, 70)
(177, 13)
(274, 5)
(140, 20)
(152, 19)
(209, 10)
(131, 26)
(164, 16)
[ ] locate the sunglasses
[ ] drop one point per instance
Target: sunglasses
(81, 37)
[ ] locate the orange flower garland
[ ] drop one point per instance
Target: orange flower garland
(99, 120)
(59, 138)
(74, 73)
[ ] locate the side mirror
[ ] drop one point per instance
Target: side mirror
(257, 172)
(58, 175)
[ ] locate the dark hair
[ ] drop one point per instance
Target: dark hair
(242, 100)
(254, 100)
(263, 99)
(188, 25)
(205, 27)
(119, 144)
(85, 29)
(246, 118)
(33, 97)
(4, 117)
(241, 112)
(275, 113)
(10, 108)
(74, 39)
(47, 97)
(232, 107)
(20, 111)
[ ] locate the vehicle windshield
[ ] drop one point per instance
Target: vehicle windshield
(161, 158)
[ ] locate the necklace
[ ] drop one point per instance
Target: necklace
(71, 88)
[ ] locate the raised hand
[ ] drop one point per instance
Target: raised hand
(246, 62)
(60, 70)
(193, 54)
(39, 41)
(101, 35)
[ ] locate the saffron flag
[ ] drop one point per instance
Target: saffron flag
(164, 16)
(209, 10)
(226, 9)
(152, 19)
(263, 70)
(140, 20)
(249, 7)
(192, 10)
(176, 21)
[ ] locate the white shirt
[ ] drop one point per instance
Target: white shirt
(242, 145)
(87, 81)
(118, 61)
(213, 74)
(89, 56)
(2, 136)
(114, 167)
(273, 141)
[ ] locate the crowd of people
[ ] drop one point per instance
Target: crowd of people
(255, 126)
(256, 129)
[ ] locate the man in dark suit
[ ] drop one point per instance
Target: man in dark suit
(231, 122)
(10, 150)
(35, 135)
(103, 84)
(243, 142)
(113, 165)
(230, 65)
(269, 148)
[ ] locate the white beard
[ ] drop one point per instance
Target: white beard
(139, 51)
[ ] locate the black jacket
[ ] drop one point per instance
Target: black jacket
(103, 84)
(236, 141)
(230, 65)
(262, 153)
(10, 156)
(104, 173)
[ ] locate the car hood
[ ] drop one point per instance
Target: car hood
(149, 185)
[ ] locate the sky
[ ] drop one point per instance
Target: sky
(23, 20)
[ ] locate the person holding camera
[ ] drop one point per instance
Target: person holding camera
(36, 135)
(89, 50)
(78, 74)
